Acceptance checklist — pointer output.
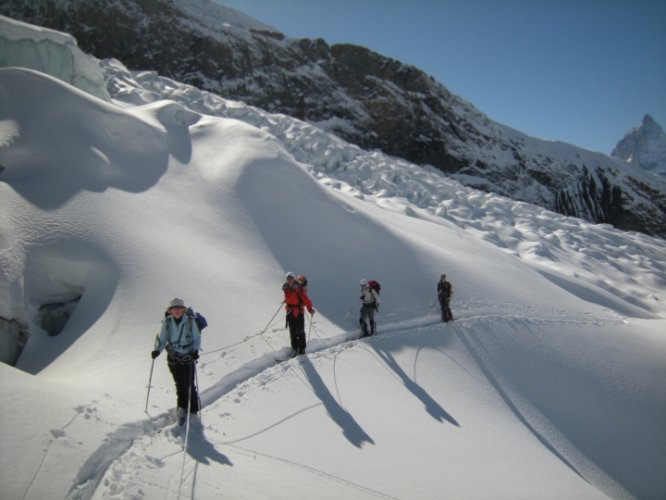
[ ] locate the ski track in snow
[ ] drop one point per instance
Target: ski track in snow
(128, 443)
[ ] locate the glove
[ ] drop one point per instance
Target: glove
(154, 354)
(195, 354)
(311, 311)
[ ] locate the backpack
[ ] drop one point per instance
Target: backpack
(444, 290)
(199, 318)
(374, 285)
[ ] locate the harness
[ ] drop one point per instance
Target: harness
(173, 358)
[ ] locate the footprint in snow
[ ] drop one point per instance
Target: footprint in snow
(57, 433)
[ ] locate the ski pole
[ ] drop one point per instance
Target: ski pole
(351, 309)
(152, 365)
(150, 379)
(310, 329)
(271, 320)
(196, 387)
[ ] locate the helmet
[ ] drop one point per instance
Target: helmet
(364, 282)
(290, 275)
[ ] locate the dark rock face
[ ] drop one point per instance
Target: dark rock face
(597, 199)
(365, 98)
(13, 338)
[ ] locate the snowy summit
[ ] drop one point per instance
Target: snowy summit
(548, 383)
(644, 147)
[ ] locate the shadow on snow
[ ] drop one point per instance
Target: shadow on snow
(350, 428)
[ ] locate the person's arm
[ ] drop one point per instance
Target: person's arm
(196, 336)
(307, 301)
(163, 337)
(160, 342)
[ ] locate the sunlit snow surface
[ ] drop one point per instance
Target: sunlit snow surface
(548, 384)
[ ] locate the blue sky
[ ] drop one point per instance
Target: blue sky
(580, 71)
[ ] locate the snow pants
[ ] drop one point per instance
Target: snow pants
(368, 311)
(296, 326)
(184, 377)
(446, 310)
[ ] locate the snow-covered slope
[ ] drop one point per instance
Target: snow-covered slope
(547, 385)
(644, 147)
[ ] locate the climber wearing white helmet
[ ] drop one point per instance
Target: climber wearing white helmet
(369, 306)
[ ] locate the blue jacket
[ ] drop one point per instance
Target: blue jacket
(180, 338)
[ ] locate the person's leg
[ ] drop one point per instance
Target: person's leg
(361, 320)
(192, 389)
(371, 318)
(300, 333)
(180, 378)
(291, 321)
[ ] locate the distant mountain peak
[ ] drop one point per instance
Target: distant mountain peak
(644, 146)
(651, 126)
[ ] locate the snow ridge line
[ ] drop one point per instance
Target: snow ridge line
(118, 442)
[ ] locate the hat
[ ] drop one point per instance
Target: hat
(290, 275)
(364, 282)
(176, 302)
